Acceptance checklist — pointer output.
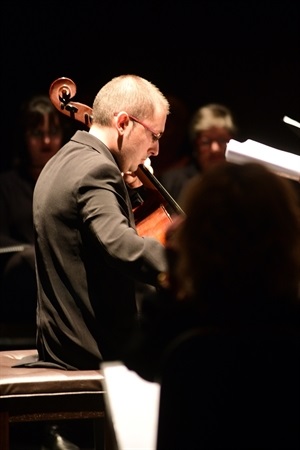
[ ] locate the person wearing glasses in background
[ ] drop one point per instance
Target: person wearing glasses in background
(210, 129)
(89, 255)
(40, 133)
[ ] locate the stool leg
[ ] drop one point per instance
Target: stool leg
(4, 430)
(109, 435)
(103, 437)
(99, 434)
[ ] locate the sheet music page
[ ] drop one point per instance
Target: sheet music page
(281, 162)
(132, 404)
(292, 122)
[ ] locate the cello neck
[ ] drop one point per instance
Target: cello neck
(150, 181)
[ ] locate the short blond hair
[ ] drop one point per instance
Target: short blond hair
(131, 93)
(212, 115)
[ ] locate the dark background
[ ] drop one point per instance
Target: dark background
(241, 53)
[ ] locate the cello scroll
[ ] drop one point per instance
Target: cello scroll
(61, 93)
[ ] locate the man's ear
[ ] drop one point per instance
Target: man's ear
(122, 121)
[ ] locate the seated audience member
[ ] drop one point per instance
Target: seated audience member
(210, 129)
(41, 131)
(222, 337)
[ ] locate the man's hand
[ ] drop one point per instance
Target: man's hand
(132, 180)
(147, 164)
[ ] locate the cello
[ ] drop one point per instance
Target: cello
(151, 216)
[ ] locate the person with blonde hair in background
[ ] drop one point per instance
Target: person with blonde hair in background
(210, 129)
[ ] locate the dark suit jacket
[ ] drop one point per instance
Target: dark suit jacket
(88, 256)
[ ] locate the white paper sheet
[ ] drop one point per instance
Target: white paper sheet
(132, 404)
(281, 162)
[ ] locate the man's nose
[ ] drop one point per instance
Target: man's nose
(155, 149)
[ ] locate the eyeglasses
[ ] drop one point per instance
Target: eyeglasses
(206, 142)
(155, 136)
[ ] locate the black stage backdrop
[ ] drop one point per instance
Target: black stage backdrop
(241, 53)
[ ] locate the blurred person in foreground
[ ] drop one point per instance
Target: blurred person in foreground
(222, 336)
(210, 129)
